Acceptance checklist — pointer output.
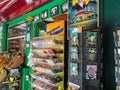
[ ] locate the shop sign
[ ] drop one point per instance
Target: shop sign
(56, 28)
(29, 18)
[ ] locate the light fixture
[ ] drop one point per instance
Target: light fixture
(29, 1)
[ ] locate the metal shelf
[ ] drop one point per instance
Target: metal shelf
(17, 37)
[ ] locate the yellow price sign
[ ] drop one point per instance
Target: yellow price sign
(55, 28)
(78, 1)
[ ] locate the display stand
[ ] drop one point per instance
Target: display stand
(84, 59)
(116, 35)
(48, 58)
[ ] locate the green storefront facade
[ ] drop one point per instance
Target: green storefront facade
(109, 17)
(25, 83)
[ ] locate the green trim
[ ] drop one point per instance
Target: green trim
(39, 10)
(4, 37)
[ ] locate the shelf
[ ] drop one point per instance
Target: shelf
(11, 82)
(49, 60)
(48, 56)
(44, 82)
(17, 37)
(42, 79)
(33, 85)
(43, 70)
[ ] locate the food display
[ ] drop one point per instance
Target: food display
(47, 61)
(13, 32)
(15, 62)
(16, 45)
(9, 61)
(9, 70)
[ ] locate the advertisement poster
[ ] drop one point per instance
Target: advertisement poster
(36, 18)
(74, 38)
(91, 39)
(64, 7)
(91, 53)
(84, 12)
(91, 71)
(73, 69)
(54, 11)
(44, 14)
(73, 86)
(74, 53)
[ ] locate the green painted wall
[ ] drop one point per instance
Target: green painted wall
(111, 16)
(4, 37)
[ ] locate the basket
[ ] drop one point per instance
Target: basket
(14, 63)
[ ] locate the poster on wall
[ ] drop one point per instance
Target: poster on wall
(73, 69)
(36, 18)
(73, 86)
(84, 13)
(44, 14)
(64, 7)
(91, 72)
(91, 39)
(74, 35)
(54, 11)
(91, 54)
(74, 53)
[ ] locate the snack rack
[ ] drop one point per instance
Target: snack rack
(47, 62)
